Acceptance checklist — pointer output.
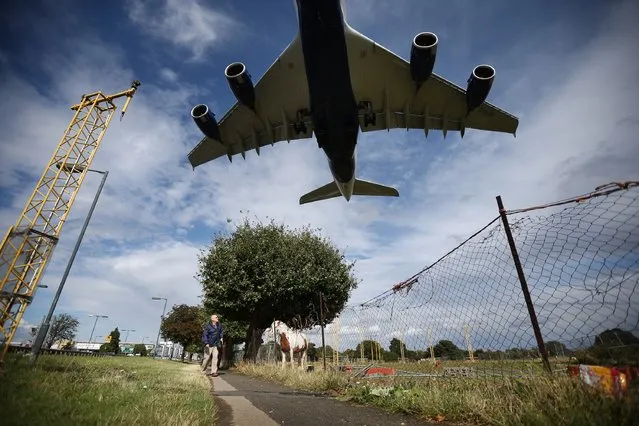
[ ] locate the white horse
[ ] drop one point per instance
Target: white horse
(291, 342)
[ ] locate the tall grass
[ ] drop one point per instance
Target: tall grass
(532, 401)
(105, 390)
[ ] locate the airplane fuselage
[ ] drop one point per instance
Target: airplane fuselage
(333, 76)
(333, 107)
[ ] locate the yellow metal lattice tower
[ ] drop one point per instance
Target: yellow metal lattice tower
(28, 245)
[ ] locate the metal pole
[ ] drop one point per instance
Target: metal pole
(44, 329)
(322, 320)
(524, 286)
(93, 329)
(157, 340)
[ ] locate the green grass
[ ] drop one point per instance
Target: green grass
(482, 401)
(103, 391)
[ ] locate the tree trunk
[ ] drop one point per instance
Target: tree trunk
(253, 342)
(227, 353)
(182, 357)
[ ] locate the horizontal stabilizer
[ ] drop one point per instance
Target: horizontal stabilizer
(330, 190)
(364, 187)
(360, 187)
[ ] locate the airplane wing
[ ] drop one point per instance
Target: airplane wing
(280, 94)
(383, 78)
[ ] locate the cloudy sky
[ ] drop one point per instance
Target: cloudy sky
(568, 71)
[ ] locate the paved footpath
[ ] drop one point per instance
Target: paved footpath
(245, 401)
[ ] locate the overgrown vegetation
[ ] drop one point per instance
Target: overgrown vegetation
(103, 390)
(499, 401)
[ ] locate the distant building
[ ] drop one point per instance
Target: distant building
(168, 349)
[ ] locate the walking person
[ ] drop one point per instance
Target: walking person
(212, 338)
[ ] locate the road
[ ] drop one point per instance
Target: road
(245, 401)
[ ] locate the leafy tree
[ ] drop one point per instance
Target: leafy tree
(371, 349)
(140, 348)
(448, 350)
(390, 356)
(611, 347)
(191, 349)
(416, 355)
(396, 347)
(555, 348)
(114, 344)
(312, 352)
(183, 325)
(616, 337)
(350, 353)
(63, 327)
(261, 272)
(320, 351)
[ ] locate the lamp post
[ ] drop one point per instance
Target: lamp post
(44, 328)
(127, 335)
(94, 323)
(157, 341)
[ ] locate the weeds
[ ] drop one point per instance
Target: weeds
(497, 401)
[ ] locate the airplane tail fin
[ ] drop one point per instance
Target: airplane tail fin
(364, 187)
(360, 187)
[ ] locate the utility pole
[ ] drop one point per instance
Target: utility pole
(157, 341)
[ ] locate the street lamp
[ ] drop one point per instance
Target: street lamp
(44, 329)
(127, 335)
(157, 341)
(94, 323)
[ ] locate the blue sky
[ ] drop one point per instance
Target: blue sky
(566, 69)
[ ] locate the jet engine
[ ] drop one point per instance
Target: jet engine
(241, 84)
(479, 84)
(206, 121)
(422, 56)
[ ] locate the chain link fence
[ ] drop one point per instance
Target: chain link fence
(533, 291)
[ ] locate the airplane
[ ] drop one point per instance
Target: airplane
(332, 81)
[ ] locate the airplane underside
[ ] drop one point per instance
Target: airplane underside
(332, 82)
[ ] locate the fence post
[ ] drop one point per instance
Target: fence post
(524, 286)
(321, 300)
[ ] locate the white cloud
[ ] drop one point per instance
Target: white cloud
(573, 136)
(189, 24)
(169, 75)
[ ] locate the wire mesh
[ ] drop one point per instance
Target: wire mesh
(465, 315)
